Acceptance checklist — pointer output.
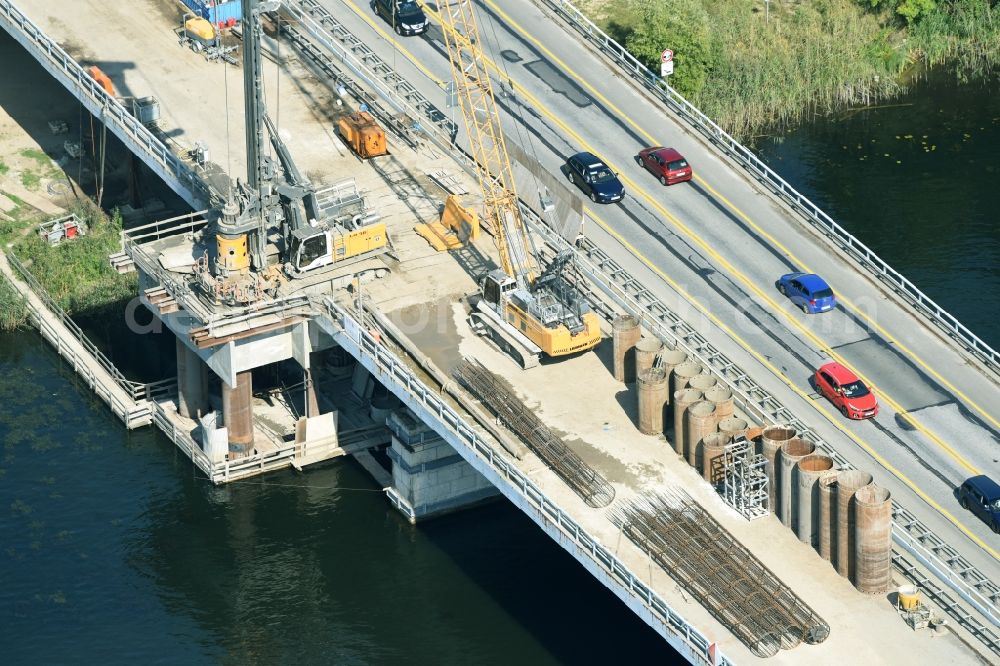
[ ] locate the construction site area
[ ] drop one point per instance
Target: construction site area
(419, 294)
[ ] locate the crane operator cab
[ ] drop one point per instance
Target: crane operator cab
(325, 244)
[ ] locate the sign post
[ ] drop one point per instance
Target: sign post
(666, 62)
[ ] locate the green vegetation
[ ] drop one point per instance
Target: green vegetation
(13, 310)
(37, 155)
(749, 71)
(30, 179)
(76, 273)
(3, 168)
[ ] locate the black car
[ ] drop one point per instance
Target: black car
(405, 16)
(594, 177)
(981, 496)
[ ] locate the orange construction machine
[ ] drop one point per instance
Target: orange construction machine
(363, 134)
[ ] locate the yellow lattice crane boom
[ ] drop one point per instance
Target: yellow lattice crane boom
(526, 310)
(496, 178)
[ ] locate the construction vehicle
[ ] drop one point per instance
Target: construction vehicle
(275, 196)
(363, 134)
(525, 310)
(201, 37)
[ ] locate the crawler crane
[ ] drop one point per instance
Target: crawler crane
(526, 311)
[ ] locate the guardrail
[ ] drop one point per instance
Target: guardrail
(629, 294)
(450, 424)
(104, 106)
(405, 99)
(73, 345)
(862, 254)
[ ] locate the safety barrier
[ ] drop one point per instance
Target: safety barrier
(861, 253)
(437, 413)
(181, 178)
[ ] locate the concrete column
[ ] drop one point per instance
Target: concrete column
(192, 383)
(429, 478)
(311, 402)
(237, 414)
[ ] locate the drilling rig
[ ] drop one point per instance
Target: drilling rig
(527, 311)
(275, 206)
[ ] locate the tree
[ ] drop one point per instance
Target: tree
(681, 25)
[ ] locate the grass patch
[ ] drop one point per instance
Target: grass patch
(37, 155)
(13, 309)
(749, 72)
(30, 179)
(3, 169)
(76, 273)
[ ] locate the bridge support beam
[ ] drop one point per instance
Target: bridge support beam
(192, 383)
(429, 478)
(237, 414)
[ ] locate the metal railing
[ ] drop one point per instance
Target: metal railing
(104, 106)
(392, 370)
(424, 118)
(72, 344)
(604, 274)
(862, 254)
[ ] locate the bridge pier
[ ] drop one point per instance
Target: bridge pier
(192, 383)
(428, 477)
(237, 414)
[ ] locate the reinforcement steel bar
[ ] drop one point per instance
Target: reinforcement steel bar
(720, 572)
(497, 396)
(600, 277)
(487, 460)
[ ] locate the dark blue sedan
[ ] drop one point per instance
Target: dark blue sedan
(594, 177)
(808, 291)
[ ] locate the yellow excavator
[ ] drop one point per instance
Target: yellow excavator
(526, 311)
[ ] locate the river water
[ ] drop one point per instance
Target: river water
(917, 179)
(112, 548)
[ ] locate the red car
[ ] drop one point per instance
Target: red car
(848, 393)
(665, 163)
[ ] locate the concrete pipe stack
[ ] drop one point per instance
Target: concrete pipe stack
(713, 447)
(682, 400)
(722, 398)
(651, 385)
(872, 540)
(625, 334)
(827, 514)
(810, 469)
(771, 440)
(848, 482)
(732, 426)
(700, 423)
(683, 372)
(702, 382)
(792, 452)
(645, 353)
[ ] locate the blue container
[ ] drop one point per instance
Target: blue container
(216, 11)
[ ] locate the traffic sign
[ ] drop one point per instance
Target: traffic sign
(667, 56)
(667, 68)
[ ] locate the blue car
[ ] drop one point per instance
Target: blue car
(594, 177)
(808, 291)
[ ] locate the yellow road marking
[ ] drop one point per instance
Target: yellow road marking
(832, 417)
(706, 248)
(845, 302)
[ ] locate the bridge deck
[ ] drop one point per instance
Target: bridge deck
(151, 62)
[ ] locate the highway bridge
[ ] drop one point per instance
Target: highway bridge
(708, 251)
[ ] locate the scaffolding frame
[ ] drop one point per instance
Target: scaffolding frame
(745, 484)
